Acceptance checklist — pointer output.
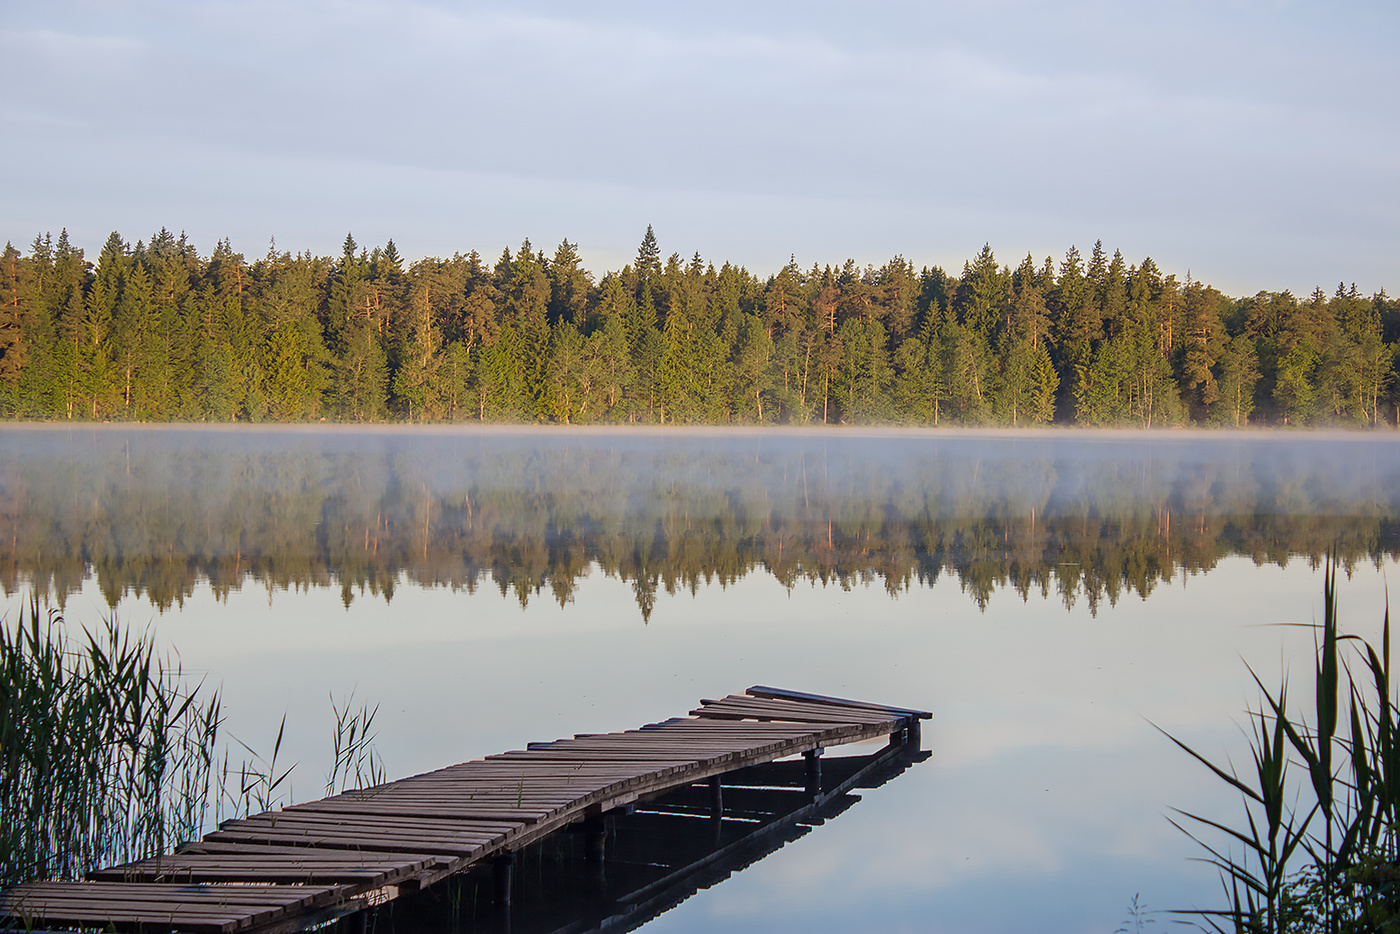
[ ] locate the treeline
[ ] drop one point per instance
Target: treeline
(156, 332)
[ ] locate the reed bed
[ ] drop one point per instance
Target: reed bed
(1318, 848)
(106, 752)
(109, 754)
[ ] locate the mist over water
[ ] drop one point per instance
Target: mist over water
(155, 511)
(1045, 594)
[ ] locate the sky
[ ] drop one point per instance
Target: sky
(1251, 143)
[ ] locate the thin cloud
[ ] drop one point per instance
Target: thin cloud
(1250, 139)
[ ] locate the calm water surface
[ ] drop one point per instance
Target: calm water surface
(1049, 596)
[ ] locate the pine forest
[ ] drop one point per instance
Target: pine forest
(156, 332)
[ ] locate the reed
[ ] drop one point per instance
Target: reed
(355, 764)
(1324, 855)
(106, 753)
(255, 785)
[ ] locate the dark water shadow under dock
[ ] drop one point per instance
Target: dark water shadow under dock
(645, 860)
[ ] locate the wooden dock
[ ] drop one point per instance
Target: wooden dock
(657, 854)
(310, 863)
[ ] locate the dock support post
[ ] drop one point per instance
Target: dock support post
(595, 848)
(814, 770)
(716, 807)
(504, 870)
(907, 734)
(595, 835)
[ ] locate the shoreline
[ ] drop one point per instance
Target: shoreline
(1068, 432)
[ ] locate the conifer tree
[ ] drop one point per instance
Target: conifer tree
(826, 301)
(648, 266)
(388, 296)
(356, 339)
(981, 295)
(829, 353)
(1028, 318)
(14, 353)
(172, 264)
(295, 361)
(1113, 295)
(1236, 374)
(1375, 373)
(969, 372)
(454, 382)
(608, 347)
(1295, 389)
(97, 338)
(139, 351)
(570, 375)
(899, 293)
(919, 390)
(227, 343)
(1025, 385)
(648, 354)
(1202, 339)
(1152, 396)
(526, 294)
(569, 286)
(936, 290)
(479, 320)
(64, 298)
(782, 300)
(415, 381)
(31, 393)
(753, 372)
(1101, 392)
(678, 365)
(1076, 323)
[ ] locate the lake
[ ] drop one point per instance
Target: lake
(1050, 596)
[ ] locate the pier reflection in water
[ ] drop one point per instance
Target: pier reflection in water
(645, 860)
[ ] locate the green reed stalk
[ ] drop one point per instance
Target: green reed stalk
(356, 765)
(105, 752)
(1345, 821)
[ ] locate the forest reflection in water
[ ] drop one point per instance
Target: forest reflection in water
(154, 511)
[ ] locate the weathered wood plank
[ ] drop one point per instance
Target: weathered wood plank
(817, 712)
(380, 823)
(792, 711)
(436, 845)
(201, 908)
(759, 690)
(216, 846)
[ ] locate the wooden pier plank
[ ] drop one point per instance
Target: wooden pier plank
(794, 711)
(255, 867)
(368, 821)
(759, 690)
(436, 845)
(199, 908)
